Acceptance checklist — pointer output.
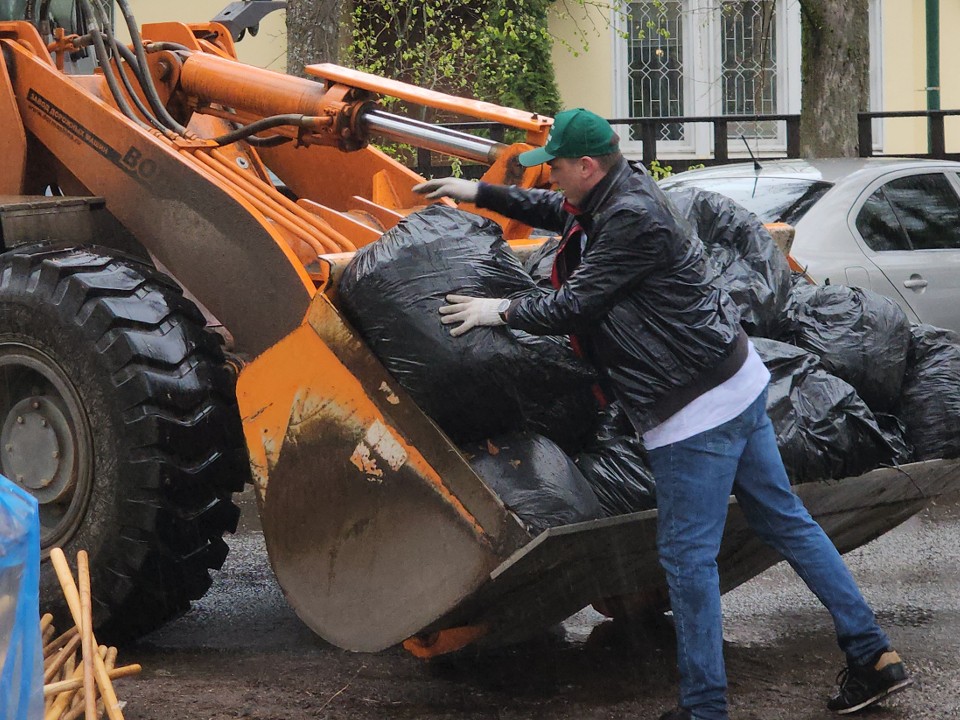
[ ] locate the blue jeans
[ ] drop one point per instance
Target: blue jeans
(695, 478)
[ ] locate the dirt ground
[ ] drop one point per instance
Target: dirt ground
(242, 653)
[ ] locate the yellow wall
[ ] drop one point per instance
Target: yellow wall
(949, 77)
(583, 58)
(584, 76)
(268, 49)
(905, 73)
(587, 79)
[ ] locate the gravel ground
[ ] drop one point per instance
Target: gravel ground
(241, 652)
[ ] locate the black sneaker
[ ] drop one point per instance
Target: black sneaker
(678, 713)
(863, 685)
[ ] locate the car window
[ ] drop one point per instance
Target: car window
(771, 199)
(879, 226)
(928, 208)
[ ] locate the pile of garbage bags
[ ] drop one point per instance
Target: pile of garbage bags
(824, 428)
(929, 403)
(491, 381)
(741, 256)
(853, 385)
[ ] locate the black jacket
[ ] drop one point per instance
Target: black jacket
(638, 298)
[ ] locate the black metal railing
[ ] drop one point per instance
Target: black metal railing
(935, 128)
(649, 129)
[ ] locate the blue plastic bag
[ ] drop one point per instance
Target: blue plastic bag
(21, 661)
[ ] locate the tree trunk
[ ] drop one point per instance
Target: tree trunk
(317, 31)
(835, 73)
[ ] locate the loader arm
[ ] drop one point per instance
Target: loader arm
(213, 240)
(207, 210)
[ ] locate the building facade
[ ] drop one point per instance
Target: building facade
(695, 58)
(738, 57)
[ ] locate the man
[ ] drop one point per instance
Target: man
(631, 287)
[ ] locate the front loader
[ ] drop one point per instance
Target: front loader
(169, 328)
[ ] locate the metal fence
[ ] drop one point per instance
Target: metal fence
(935, 129)
(648, 131)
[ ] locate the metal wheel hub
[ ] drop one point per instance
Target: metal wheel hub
(45, 439)
(37, 448)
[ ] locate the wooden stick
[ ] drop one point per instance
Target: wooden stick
(78, 707)
(57, 643)
(86, 633)
(46, 628)
(110, 661)
(64, 685)
(69, 667)
(59, 561)
(59, 705)
(56, 662)
(62, 701)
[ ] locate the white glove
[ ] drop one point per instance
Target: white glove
(472, 312)
(456, 188)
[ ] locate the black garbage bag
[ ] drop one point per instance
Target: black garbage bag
(614, 463)
(824, 429)
(930, 398)
(860, 337)
(539, 265)
(744, 258)
(535, 479)
(895, 433)
(489, 381)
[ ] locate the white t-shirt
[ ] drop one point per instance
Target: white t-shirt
(715, 407)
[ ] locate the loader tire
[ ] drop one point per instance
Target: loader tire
(118, 414)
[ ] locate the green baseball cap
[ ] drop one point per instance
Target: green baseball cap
(575, 133)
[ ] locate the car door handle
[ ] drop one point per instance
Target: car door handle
(915, 283)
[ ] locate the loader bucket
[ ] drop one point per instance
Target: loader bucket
(566, 568)
(375, 524)
(379, 531)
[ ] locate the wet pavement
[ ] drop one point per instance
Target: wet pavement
(241, 651)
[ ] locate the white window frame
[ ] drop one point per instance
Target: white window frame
(701, 89)
(876, 70)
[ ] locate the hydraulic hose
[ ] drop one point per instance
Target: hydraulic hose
(131, 60)
(244, 132)
(269, 141)
(117, 54)
(149, 89)
(104, 60)
(160, 46)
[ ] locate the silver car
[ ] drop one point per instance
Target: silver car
(890, 225)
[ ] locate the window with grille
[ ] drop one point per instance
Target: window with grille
(748, 76)
(655, 64)
(677, 58)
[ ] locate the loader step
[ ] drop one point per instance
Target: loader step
(26, 219)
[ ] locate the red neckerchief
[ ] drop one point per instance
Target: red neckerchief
(564, 263)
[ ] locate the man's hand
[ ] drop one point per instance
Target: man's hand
(456, 188)
(471, 312)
